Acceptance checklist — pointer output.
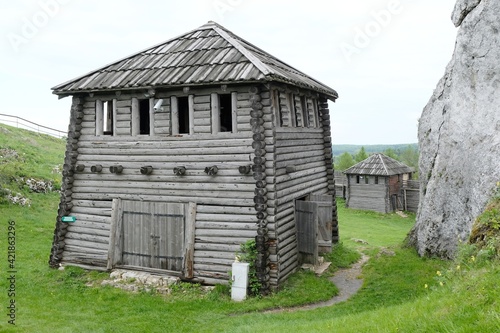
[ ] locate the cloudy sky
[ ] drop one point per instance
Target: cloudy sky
(384, 57)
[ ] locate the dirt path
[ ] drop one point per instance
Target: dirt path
(347, 281)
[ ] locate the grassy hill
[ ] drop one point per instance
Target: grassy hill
(401, 293)
(29, 159)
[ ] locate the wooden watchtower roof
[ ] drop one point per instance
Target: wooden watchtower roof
(208, 55)
(379, 165)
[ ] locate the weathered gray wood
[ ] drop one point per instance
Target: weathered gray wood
(175, 158)
(174, 115)
(226, 233)
(93, 203)
(151, 117)
(114, 117)
(214, 98)
(111, 185)
(301, 191)
(85, 244)
(153, 235)
(87, 237)
(167, 176)
(299, 178)
(92, 210)
(225, 210)
(221, 240)
(191, 114)
(216, 247)
(189, 241)
(116, 248)
(228, 218)
(215, 254)
(116, 152)
(225, 225)
(91, 226)
(113, 233)
(78, 250)
(178, 139)
(99, 120)
(324, 210)
(214, 261)
(167, 198)
(121, 191)
(234, 112)
(85, 230)
(91, 218)
(135, 117)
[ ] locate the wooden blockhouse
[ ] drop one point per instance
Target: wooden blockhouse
(376, 184)
(178, 154)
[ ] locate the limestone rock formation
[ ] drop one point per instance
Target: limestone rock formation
(459, 134)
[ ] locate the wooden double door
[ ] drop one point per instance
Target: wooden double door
(152, 235)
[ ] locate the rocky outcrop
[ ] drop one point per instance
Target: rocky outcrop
(459, 134)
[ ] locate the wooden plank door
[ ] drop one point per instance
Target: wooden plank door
(325, 223)
(306, 217)
(151, 235)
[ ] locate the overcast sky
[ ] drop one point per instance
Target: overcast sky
(384, 57)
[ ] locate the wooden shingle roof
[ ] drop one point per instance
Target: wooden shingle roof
(379, 165)
(208, 55)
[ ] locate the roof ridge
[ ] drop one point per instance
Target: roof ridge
(243, 50)
(383, 163)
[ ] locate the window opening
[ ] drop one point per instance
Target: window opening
(226, 113)
(144, 125)
(107, 107)
(183, 107)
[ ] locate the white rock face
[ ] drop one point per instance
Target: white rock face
(459, 134)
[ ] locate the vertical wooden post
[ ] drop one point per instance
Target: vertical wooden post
(112, 233)
(174, 107)
(191, 114)
(291, 107)
(189, 240)
(151, 117)
(234, 111)
(99, 118)
(135, 117)
(214, 100)
(114, 116)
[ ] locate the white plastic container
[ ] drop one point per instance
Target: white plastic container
(240, 281)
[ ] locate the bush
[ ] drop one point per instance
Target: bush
(249, 254)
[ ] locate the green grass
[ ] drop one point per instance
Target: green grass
(401, 293)
(38, 155)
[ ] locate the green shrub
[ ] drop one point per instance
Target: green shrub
(249, 254)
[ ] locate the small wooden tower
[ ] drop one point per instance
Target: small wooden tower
(178, 154)
(375, 183)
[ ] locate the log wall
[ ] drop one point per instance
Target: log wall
(231, 207)
(300, 169)
(225, 215)
(369, 196)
